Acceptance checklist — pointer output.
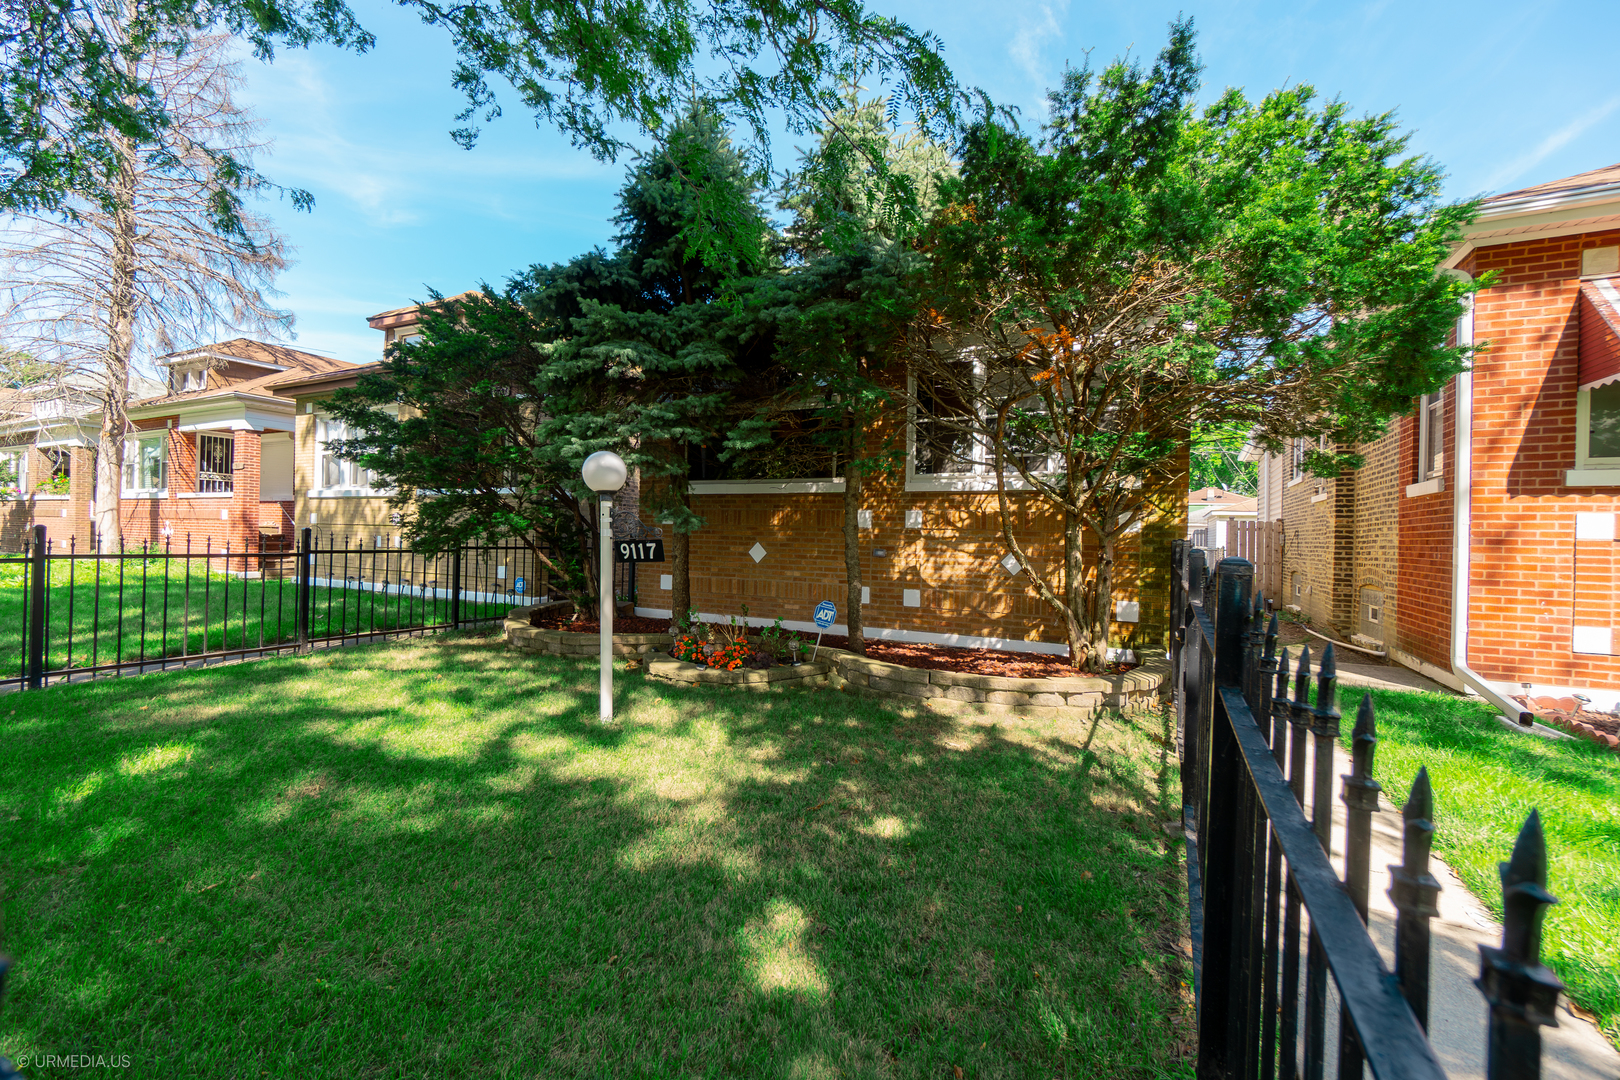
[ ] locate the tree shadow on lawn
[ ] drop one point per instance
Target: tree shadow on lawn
(432, 858)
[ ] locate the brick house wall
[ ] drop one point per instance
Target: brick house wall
(1425, 528)
(1374, 537)
(952, 562)
(183, 516)
(1523, 586)
(1312, 539)
(66, 517)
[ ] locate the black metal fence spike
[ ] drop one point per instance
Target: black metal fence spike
(1413, 891)
(1364, 738)
(1326, 682)
(1523, 992)
(1420, 803)
(1271, 635)
(1282, 678)
(1302, 679)
(1524, 893)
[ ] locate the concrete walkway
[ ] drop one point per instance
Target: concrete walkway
(1458, 1016)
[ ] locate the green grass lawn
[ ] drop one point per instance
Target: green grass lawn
(1486, 781)
(429, 859)
(188, 610)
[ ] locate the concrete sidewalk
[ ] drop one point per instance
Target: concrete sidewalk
(1458, 1016)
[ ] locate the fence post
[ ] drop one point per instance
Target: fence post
(1220, 839)
(36, 611)
(455, 588)
(1413, 891)
(303, 591)
(1360, 799)
(1522, 992)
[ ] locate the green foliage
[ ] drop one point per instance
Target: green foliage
(1142, 270)
(1213, 454)
(72, 90)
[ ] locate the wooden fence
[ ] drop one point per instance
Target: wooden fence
(1261, 543)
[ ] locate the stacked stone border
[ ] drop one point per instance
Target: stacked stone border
(520, 635)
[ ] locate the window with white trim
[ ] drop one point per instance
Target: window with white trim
(1296, 459)
(146, 464)
(331, 471)
(216, 455)
(1431, 435)
(13, 472)
(1597, 432)
(945, 429)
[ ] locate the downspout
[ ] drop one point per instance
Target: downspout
(1461, 533)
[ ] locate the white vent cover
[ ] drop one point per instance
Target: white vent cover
(1010, 564)
(863, 519)
(756, 551)
(1603, 260)
(866, 594)
(911, 597)
(913, 519)
(1127, 611)
(1597, 640)
(666, 581)
(1594, 526)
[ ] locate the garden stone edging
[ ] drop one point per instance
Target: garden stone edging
(520, 635)
(1064, 697)
(666, 668)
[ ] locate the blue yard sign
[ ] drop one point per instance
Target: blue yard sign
(825, 614)
(518, 586)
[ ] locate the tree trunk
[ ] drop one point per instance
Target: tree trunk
(1074, 594)
(680, 551)
(115, 364)
(1101, 611)
(852, 553)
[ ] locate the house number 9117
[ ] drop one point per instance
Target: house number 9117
(638, 551)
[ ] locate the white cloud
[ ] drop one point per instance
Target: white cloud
(1029, 41)
(1552, 144)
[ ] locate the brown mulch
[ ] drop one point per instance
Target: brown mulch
(622, 624)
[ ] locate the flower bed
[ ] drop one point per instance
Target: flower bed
(522, 633)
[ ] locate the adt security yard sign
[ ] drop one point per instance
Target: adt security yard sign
(517, 586)
(825, 614)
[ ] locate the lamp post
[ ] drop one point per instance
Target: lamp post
(605, 473)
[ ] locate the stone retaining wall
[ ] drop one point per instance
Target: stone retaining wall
(668, 669)
(1070, 697)
(521, 635)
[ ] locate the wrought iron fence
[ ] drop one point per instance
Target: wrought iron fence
(70, 614)
(1262, 884)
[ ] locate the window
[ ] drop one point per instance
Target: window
(215, 455)
(13, 472)
(1431, 435)
(1372, 614)
(1296, 458)
(793, 453)
(332, 471)
(182, 380)
(1200, 538)
(146, 464)
(944, 425)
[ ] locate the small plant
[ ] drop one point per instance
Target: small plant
(56, 485)
(772, 640)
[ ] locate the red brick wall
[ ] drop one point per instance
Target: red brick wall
(953, 560)
(66, 520)
(1423, 592)
(1522, 586)
(206, 523)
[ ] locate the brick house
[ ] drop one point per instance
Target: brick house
(933, 565)
(211, 460)
(48, 438)
(1478, 542)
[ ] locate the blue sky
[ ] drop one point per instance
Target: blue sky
(1503, 95)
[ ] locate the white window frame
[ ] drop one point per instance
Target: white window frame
(19, 456)
(980, 479)
(341, 491)
(1431, 461)
(1589, 471)
(132, 452)
(230, 457)
(1296, 460)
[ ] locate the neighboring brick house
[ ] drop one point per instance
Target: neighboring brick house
(1498, 495)
(1210, 512)
(48, 438)
(210, 462)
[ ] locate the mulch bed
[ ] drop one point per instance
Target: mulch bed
(1013, 665)
(622, 624)
(1567, 714)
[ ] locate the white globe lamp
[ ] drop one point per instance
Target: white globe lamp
(605, 472)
